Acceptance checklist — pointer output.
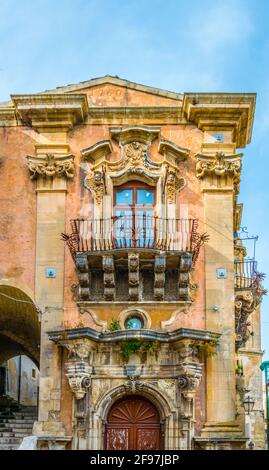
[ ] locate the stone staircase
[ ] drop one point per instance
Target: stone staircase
(16, 422)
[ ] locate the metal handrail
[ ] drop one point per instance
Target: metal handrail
(245, 274)
(134, 231)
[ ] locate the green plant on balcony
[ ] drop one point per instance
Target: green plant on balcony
(114, 325)
(133, 346)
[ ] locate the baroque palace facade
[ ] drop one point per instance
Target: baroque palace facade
(122, 276)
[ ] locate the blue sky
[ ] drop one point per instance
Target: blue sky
(199, 45)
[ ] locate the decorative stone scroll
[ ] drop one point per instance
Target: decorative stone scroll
(221, 166)
(173, 184)
(95, 181)
(79, 378)
(159, 276)
(133, 275)
(245, 304)
(246, 301)
(84, 277)
(109, 277)
(185, 266)
(51, 165)
(78, 368)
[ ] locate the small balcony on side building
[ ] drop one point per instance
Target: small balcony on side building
(248, 296)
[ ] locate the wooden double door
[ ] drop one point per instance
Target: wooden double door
(133, 424)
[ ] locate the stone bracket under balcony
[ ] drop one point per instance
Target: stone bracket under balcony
(134, 276)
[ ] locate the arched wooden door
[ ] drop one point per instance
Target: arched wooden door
(133, 424)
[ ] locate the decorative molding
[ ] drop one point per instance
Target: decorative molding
(134, 161)
(173, 318)
(93, 335)
(96, 320)
(133, 275)
(51, 165)
(79, 349)
(220, 166)
(134, 310)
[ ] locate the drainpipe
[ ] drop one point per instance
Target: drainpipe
(19, 381)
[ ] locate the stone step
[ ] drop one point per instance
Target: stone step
(9, 447)
(10, 440)
(17, 421)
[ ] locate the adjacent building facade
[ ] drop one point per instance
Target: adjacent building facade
(122, 275)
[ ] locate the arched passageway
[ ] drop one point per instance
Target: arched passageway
(19, 325)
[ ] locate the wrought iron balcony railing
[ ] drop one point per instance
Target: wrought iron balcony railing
(134, 232)
(246, 274)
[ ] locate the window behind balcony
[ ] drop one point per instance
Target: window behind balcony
(134, 215)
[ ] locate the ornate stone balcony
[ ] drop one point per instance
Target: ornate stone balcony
(248, 296)
(136, 258)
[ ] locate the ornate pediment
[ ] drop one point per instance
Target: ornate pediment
(134, 162)
(126, 135)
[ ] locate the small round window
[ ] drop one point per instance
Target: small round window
(134, 323)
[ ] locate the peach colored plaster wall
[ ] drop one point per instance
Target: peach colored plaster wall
(111, 95)
(18, 208)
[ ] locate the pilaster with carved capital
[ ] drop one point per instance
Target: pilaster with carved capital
(219, 171)
(51, 165)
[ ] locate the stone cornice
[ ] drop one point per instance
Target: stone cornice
(51, 165)
(220, 167)
(124, 335)
(49, 111)
(222, 111)
(152, 115)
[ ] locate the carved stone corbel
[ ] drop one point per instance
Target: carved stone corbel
(79, 377)
(109, 277)
(51, 165)
(185, 266)
(133, 275)
(159, 276)
(84, 277)
(245, 304)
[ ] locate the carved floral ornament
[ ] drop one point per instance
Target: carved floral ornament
(134, 162)
(51, 165)
(220, 165)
